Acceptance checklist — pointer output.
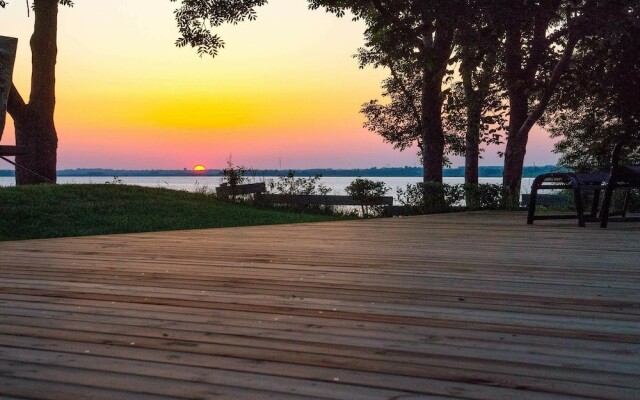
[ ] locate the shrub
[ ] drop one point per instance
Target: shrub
(369, 193)
(483, 196)
(232, 177)
(441, 197)
(289, 185)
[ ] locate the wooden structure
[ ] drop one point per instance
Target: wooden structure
(8, 47)
(455, 306)
(621, 176)
(331, 200)
(260, 190)
(226, 190)
(11, 150)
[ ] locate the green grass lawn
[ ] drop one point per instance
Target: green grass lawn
(46, 211)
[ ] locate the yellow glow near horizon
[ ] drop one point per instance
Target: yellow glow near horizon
(199, 168)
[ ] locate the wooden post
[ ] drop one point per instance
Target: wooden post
(8, 47)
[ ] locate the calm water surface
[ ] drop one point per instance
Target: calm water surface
(195, 183)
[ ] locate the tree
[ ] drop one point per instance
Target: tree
(399, 120)
(539, 41)
(473, 111)
(415, 39)
(34, 124)
(195, 19)
(475, 108)
(600, 105)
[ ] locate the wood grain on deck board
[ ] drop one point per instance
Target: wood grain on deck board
(463, 306)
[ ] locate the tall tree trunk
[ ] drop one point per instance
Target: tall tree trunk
(433, 141)
(432, 131)
(35, 129)
(516, 147)
(472, 154)
(517, 84)
(473, 100)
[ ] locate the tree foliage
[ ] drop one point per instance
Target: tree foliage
(600, 105)
(398, 121)
(539, 39)
(196, 18)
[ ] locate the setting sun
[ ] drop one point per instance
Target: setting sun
(199, 168)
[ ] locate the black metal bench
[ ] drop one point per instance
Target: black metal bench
(579, 184)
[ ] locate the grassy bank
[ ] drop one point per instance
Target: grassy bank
(47, 211)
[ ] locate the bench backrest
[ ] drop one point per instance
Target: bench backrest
(329, 200)
(249, 188)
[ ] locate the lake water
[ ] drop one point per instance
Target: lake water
(195, 183)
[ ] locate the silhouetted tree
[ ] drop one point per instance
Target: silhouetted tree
(399, 120)
(539, 41)
(478, 53)
(34, 124)
(195, 19)
(600, 105)
(414, 38)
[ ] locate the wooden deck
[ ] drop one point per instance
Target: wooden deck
(462, 306)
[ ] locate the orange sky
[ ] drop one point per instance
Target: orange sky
(285, 92)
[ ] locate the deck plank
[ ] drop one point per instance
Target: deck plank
(463, 306)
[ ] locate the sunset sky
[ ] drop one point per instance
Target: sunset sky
(284, 93)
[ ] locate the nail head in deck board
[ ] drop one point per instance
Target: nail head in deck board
(550, 311)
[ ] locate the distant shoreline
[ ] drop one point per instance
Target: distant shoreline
(485, 172)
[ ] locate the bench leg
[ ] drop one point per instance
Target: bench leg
(533, 198)
(579, 209)
(606, 203)
(594, 205)
(625, 207)
(532, 205)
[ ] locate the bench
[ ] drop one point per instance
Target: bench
(259, 190)
(226, 190)
(327, 200)
(578, 183)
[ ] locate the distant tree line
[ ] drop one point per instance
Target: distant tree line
(485, 172)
